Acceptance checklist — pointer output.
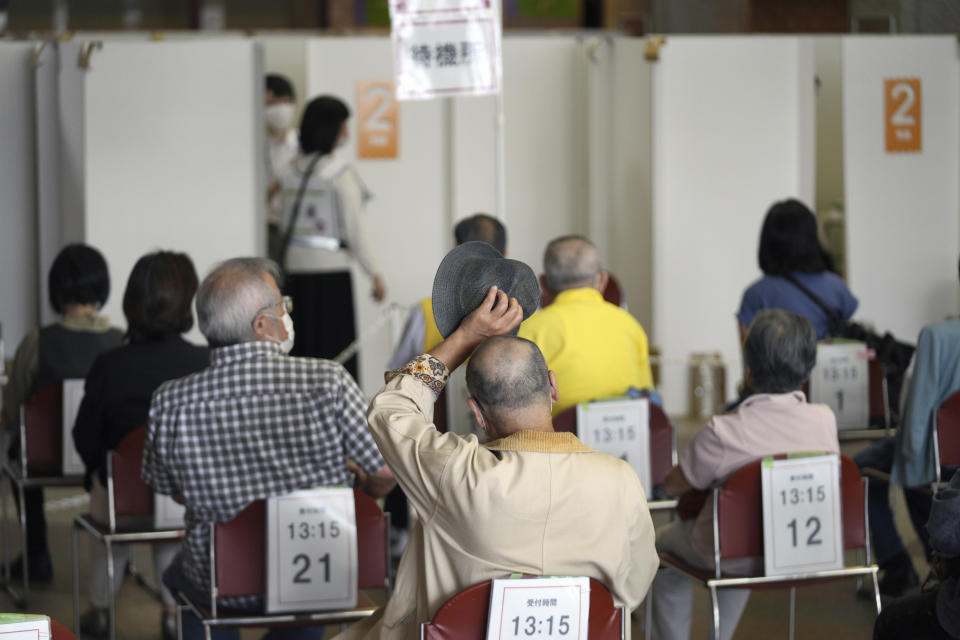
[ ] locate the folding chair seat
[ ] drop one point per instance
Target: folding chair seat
(946, 434)
(738, 533)
(40, 464)
(238, 568)
(663, 446)
(130, 518)
(464, 616)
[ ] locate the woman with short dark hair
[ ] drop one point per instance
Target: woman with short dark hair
(78, 284)
(158, 306)
(321, 232)
(790, 253)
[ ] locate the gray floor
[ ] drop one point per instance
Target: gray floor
(830, 611)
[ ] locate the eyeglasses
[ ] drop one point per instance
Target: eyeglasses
(286, 301)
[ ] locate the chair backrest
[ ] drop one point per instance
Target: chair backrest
(948, 432)
(740, 512)
(464, 616)
(240, 549)
(661, 438)
(876, 393)
(42, 424)
(132, 497)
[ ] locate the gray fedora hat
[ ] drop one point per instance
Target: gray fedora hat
(465, 276)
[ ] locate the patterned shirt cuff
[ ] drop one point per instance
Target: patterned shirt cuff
(425, 368)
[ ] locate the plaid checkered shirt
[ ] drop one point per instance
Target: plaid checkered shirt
(255, 424)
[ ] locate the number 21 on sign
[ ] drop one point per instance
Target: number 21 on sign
(903, 114)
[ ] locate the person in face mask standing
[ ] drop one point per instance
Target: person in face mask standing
(323, 232)
(214, 437)
(283, 143)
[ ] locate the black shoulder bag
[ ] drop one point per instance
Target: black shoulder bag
(893, 354)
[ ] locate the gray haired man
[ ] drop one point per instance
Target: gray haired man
(256, 423)
(779, 352)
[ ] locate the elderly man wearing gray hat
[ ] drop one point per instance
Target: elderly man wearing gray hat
(934, 613)
(531, 500)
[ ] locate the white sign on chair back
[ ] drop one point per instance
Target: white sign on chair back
(311, 550)
(620, 428)
(167, 513)
(446, 47)
(539, 608)
(802, 527)
(72, 397)
(841, 380)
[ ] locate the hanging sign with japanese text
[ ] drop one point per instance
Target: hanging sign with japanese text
(446, 47)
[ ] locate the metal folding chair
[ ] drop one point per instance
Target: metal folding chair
(663, 446)
(237, 568)
(464, 616)
(40, 465)
(738, 533)
(130, 511)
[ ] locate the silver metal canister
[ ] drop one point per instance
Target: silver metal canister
(708, 383)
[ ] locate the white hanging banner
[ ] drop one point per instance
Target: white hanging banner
(446, 47)
(841, 380)
(802, 530)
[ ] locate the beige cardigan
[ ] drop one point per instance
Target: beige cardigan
(536, 502)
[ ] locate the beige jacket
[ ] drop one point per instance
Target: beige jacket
(536, 502)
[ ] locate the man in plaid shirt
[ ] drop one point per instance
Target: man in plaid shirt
(256, 423)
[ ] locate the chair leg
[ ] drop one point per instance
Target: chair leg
(716, 612)
(5, 485)
(876, 590)
(180, 622)
(207, 632)
(112, 603)
(793, 612)
(75, 534)
(25, 563)
(861, 562)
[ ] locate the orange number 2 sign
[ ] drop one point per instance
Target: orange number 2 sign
(903, 114)
(376, 120)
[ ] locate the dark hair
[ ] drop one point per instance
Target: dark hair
(482, 227)
(279, 86)
(321, 123)
(516, 384)
(780, 350)
(159, 295)
(789, 242)
(78, 276)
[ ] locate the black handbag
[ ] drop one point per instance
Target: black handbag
(893, 354)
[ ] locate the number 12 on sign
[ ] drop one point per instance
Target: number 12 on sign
(802, 529)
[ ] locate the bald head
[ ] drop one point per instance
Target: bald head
(570, 262)
(232, 295)
(484, 228)
(508, 377)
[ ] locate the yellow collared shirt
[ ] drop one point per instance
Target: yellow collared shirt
(596, 349)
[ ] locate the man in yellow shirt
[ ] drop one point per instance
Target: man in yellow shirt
(596, 349)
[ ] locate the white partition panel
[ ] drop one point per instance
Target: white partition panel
(406, 217)
(902, 207)
(170, 151)
(544, 158)
(732, 132)
(18, 278)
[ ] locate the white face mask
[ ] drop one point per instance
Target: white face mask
(285, 345)
(280, 116)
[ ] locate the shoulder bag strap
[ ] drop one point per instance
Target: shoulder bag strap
(295, 212)
(810, 294)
